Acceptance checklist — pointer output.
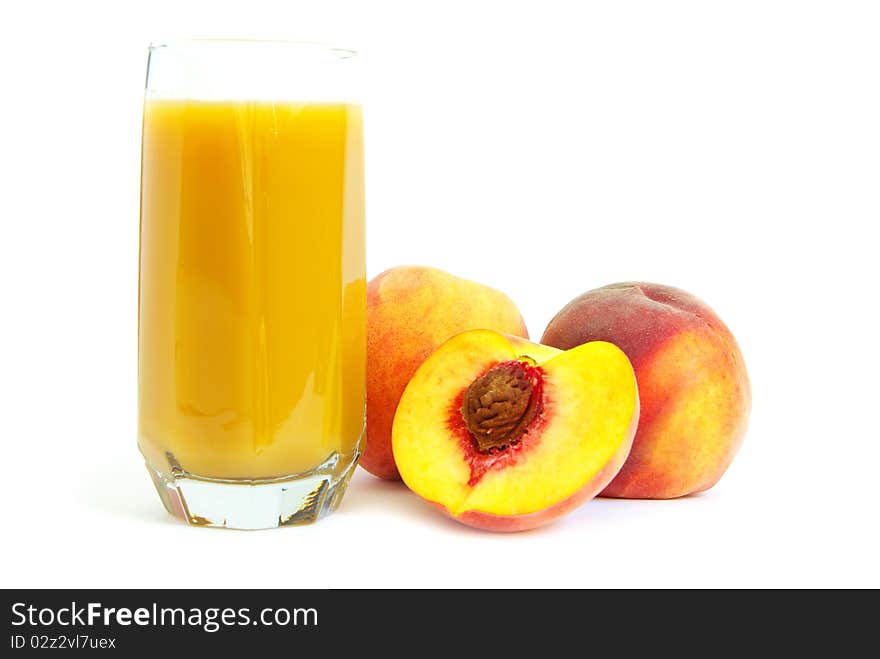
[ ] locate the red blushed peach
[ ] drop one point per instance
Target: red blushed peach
(693, 387)
(506, 435)
(410, 311)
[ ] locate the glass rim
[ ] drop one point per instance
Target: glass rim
(322, 46)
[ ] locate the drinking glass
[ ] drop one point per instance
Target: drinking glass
(252, 306)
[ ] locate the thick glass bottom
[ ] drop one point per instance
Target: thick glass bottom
(253, 504)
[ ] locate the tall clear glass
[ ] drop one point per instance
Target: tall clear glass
(251, 326)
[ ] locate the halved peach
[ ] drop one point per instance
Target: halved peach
(506, 435)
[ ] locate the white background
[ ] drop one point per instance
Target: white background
(729, 148)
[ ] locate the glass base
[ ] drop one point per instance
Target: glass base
(253, 504)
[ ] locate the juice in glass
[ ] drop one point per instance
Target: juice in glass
(252, 306)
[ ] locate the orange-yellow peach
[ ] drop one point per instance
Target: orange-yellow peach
(410, 311)
(506, 435)
(693, 387)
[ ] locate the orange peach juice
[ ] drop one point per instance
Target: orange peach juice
(252, 304)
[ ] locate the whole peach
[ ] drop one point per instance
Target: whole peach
(411, 310)
(693, 386)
